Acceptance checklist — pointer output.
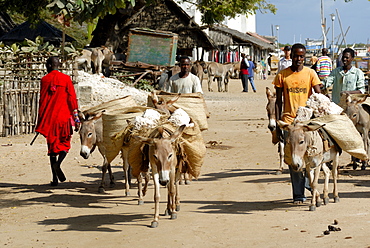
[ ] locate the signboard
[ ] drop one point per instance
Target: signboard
(152, 47)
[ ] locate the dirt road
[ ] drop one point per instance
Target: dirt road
(238, 201)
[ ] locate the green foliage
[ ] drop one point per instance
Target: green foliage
(215, 11)
(86, 10)
(39, 47)
(143, 84)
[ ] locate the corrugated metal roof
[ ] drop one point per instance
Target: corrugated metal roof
(240, 37)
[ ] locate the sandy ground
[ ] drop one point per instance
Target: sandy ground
(238, 201)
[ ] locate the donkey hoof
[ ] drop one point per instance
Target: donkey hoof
(154, 224)
(173, 216)
(312, 208)
(128, 193)
(101, 190)
(279, 172)
(181, 182)
(140, 202)
(178, 208)
(326, 200)
(363, 167)
(336, 199)
(187, 182)
(112, 185)
(354, 166)
(318, 203)
(167, 212)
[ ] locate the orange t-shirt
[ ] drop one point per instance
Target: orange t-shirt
(297, 88)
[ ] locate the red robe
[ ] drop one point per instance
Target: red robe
(57, 102)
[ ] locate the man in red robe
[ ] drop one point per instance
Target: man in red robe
(58, 111)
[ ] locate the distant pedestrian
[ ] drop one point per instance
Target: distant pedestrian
(244, 64)
(251, 68)
(323, 65)
(285, 61)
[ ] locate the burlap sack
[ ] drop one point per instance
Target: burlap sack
(342, 130)
(192, 103)
(121, 103)
(114, 122)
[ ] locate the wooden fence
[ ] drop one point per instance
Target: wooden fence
(20, 77)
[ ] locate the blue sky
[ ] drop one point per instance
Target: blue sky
(301, 18)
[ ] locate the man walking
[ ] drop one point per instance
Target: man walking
(250, 74)
(184, 81)
(58, 111)
(244, 64)
(293, 87)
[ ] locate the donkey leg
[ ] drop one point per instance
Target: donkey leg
(326, 171)
(104, 171)
(157, 197)
(334, 171)
(111, 177)
(281, 158)
(126, 171)
(315, 201)
(210, 79)
(140, 189)
(172, 195)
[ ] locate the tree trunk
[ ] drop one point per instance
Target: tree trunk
(104, 29)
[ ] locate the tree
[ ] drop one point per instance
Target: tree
(109, 11)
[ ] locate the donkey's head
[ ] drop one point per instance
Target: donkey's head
(355, 110)
(90, 132)
(270, 107)
(162, 154)
(297, 142)
(164, 106)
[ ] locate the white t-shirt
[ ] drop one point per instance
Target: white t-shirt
(190, 84)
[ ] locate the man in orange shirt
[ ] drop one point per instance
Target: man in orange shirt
(294, 84)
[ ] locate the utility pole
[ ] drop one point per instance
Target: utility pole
(332, 35)
(323, 25)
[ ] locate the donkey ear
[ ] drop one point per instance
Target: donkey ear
(97, 116)
(154, 97)
(81, 116)
(308, 128)
(269, 93)
(173, 100)
(177, 133)
(362, 99)
(366, 107)
(283, 125)
(148, 141)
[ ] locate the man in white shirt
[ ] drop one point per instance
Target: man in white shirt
(285, 61)
(184, 81)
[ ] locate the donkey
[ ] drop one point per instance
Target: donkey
(163, 160)
(276, 137)
(359, 115)
(168, 108)
(221, 73)
(91, 136)
(305, 149)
